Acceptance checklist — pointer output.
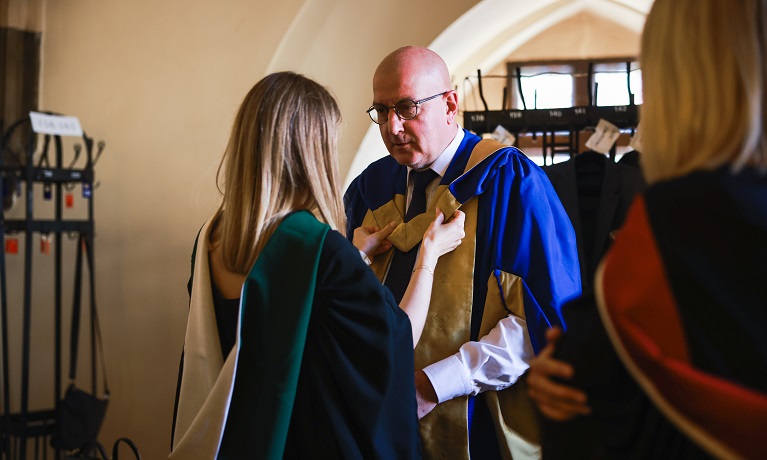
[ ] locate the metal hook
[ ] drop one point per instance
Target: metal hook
(43, 161)
(519, 87)
(78, 148)
(101, 145)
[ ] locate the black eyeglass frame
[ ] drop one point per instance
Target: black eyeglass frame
(415, 103)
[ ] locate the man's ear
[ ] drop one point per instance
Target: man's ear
(452, 105)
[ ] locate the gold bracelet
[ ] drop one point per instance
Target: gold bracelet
(426, 267)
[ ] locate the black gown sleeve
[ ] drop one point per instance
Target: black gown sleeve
(356, 391)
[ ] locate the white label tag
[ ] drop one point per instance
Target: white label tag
(57, 125)
(604, 137)
(636, 139)
(503, 135)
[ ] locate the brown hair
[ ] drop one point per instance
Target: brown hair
(281, 158)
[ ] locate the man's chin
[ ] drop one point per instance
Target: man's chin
(405, 157)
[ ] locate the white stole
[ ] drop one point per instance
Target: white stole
(207, 382)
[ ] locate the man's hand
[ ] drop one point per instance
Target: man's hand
(555, 401)
(425, 396)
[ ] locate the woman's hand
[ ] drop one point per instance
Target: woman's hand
(372, 240)
(555, 401)
(441, 238)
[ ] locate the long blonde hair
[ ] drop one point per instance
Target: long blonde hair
(704, 80)
(281, 157)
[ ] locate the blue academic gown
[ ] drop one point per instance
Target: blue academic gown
(522, 233)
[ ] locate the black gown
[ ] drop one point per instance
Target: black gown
(354, 396)
(356, 390)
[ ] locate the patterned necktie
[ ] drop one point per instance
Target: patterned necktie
(401, 267)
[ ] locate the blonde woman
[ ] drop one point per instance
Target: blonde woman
(672, 361)
(293, 348)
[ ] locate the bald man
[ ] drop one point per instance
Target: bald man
(494, 296)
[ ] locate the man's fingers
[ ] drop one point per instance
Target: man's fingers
(557, 401)
(544, 365)
(559, 406)
(553, 334)
(550, 390)
(556, 413)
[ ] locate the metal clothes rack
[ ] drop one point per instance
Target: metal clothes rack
(26, 433)
(568, 121)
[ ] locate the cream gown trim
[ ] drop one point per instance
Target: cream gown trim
(207, 381)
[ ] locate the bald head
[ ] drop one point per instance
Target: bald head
(417, 74)
(413, 63)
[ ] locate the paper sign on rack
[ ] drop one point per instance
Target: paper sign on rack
(57, 125)
(604, 137)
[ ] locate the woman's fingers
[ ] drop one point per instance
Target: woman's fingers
(384, 233)
(371, 240)
(446, 236)
(439, 217)
(382, 244)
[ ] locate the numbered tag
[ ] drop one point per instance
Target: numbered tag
(47, 191)
(604, 137)
(11, 245)
(636, 139)
(69, 200)
(503, 135)
(87, 189)
(45, 244)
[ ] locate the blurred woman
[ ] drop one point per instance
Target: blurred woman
(672, 361)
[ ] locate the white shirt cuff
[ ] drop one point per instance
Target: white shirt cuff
(494, 363)
(449, 378)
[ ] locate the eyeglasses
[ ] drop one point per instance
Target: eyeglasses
(406, 109)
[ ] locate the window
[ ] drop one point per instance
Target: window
(611, 85)
(546, 87)
(543, 135)
(561, 84)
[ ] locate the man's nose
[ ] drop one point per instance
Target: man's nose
(394, 122)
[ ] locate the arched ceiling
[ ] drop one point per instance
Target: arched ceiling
(486, 35)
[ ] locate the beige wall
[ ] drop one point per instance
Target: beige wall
(160, 82)
(22, 14)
